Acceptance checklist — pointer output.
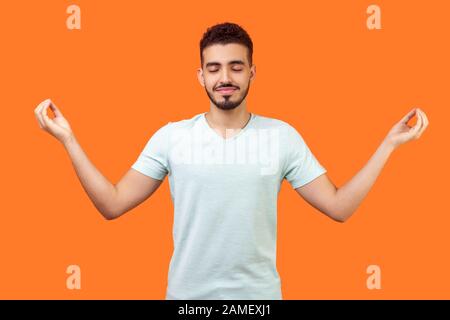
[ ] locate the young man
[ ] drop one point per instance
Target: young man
(225, 168)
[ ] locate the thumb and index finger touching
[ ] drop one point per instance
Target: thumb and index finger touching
(419, 124)
(41, 113)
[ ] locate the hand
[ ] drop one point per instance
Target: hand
(58, 126)
(401, 132)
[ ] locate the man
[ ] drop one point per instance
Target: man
(225, 169)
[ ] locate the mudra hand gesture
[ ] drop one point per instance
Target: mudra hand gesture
(401, 132)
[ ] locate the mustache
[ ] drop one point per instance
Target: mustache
(227, 86)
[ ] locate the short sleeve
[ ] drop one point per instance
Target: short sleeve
(301, 165)
(153, 160)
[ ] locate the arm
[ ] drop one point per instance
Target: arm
(110, 200)
(340, 203)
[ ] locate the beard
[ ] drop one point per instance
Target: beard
(227, 103)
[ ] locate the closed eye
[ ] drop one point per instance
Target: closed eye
(212, 71)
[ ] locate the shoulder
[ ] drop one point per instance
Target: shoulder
(185, 124)
(284, 127)
(178, 126)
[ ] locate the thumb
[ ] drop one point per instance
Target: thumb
(413, 131)
(55, 109)
(408, 116)
(49, 122)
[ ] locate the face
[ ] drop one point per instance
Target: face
(226, 74)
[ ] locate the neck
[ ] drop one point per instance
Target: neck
(235, 118)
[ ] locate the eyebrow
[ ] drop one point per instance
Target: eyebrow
(209, 64)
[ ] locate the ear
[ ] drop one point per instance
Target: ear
(200, 77)
(252, 73)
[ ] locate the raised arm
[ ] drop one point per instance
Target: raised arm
(340, 203)
(110, 200)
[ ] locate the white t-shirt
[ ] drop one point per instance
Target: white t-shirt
(225, 203)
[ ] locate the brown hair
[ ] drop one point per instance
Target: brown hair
(225, 33)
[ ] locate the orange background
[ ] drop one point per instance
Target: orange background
(132, 68)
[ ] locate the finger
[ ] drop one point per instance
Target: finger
(39, 115)
(48, 122)
(36, 113)
(424, 125)
(38, 107)
(417, 127)
(55, 110)
(408, 116)
(43, 112)
(425, 118)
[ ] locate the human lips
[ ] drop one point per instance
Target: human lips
(227, 90)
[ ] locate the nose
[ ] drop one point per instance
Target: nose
(224, 77)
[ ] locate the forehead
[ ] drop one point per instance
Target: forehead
(223, 53)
